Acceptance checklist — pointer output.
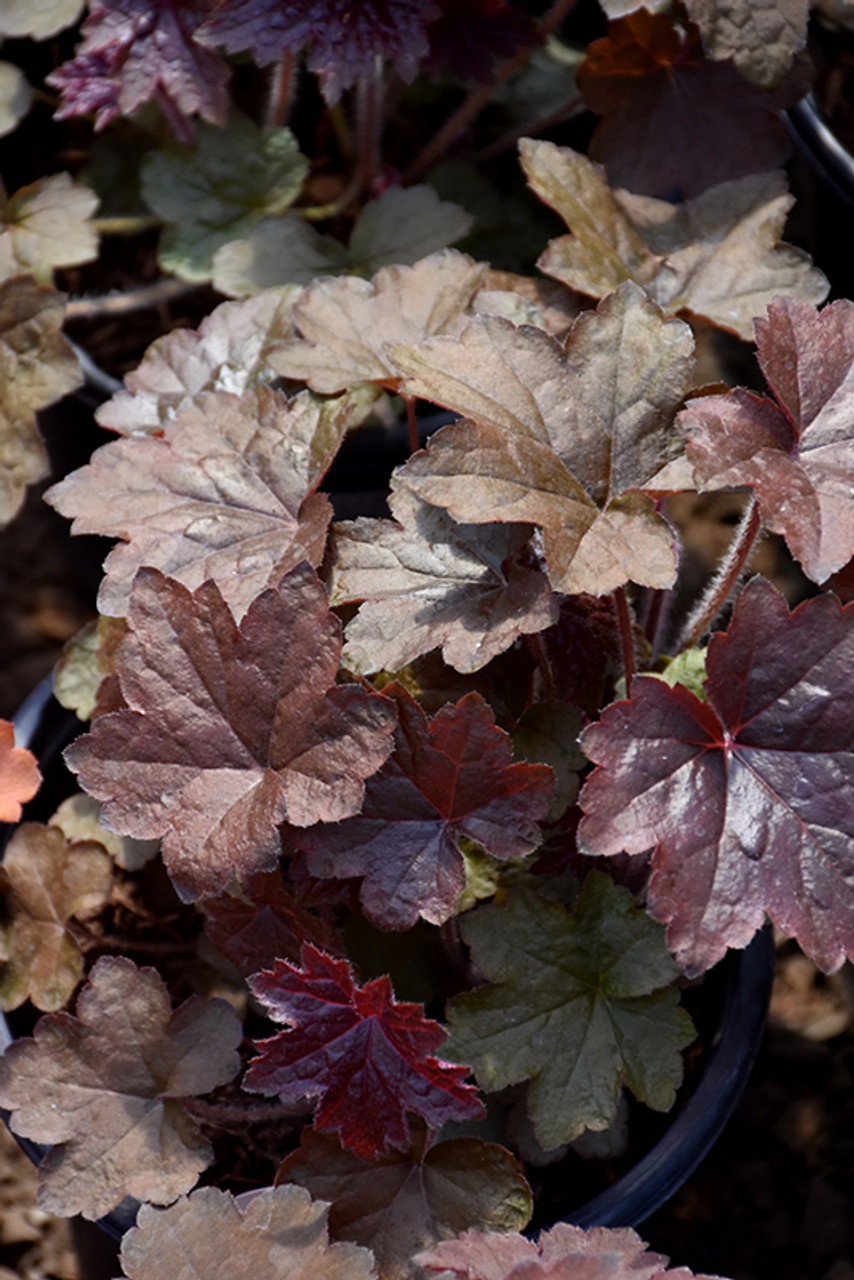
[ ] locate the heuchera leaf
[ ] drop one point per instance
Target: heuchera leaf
(45, 881)
(16, 97)
(209, 1236)
(367, 1059)
(746, 797)
(427, 581)
(717, 256)
(344, 37)
(230, 730)
(84, 674)
(405, 1201)
(448, 777)
(226, 353)
(226, 494)
(345, 322)
(105, 1088)
(261, 923)
(568, 438)
(673, 124)
(797, 449)
(601, 1253)
(761, 39)
(19, 775)
(134, 51)
(36, 368)
(45, 225)
(599, 1010)
(23, 18)
(215, 190)
(400, 227)
(79, 819)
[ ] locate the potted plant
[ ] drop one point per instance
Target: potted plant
(400, 841)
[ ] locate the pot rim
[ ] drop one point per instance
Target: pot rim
(43, 725)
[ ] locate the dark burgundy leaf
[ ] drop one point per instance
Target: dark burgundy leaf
(364, 1056)
(797, 449)
(134, 51)
(746, 797)
(261, 924)
(673, 124)
(344, 37)
(448, 778)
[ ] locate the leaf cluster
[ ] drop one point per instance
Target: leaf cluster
(426, 813)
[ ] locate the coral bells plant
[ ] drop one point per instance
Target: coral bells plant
(402, 835)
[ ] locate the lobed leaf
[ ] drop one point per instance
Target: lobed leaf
(717, 257)
(45, 225)
(403, 1202)
(226, 353)
(602, 1253)
(448, 779)
(209, 1236)
(22, 18)
(36, 368)
(79, 819)
(19, 775)
(674, 124)
(577, 1003)
(796, 450)
(261, 923)
(343, 45)
(745, 797)
(367, 1059)
(134, 51)
(227, 494)
(426, 580)
(569, 438)
(345, 322)
(215, 191)
(761, 39)
(229, 730)
(46, 880)
(105, 1088)
(400, 227)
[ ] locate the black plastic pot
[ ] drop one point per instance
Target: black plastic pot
(740, 987)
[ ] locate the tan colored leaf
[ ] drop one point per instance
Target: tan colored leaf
(226, 494)
(15, 97)
(761, 36)
(19, 775)
(46, 225)
(105, 1088)
(45, 881)
(718, 256)
(226, 353)
(79, 818)
(427, 581)
(281, 1232)
(36, 368)
(344, 321)
(38, 19)
(406, 1201)
(83, 672)
(565, 438)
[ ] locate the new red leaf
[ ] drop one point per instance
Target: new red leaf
(366, 1058)
(746, 797)
(229, 730)
(797, 449)
(449, 777)
(19, 775)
